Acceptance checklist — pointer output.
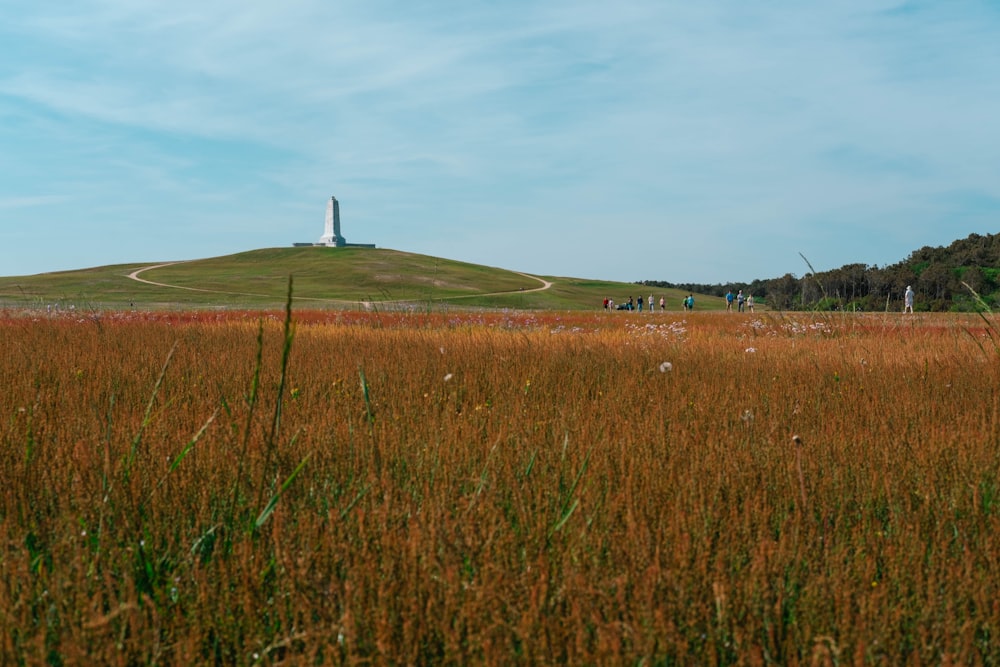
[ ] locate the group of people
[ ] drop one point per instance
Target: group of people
(687, 303)
(637, 304)
(741, 301)
(609, 304)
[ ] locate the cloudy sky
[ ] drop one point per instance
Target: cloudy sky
(670, 140)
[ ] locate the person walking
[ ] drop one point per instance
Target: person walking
(739, 301)
(908, 300)
(729, 301)
(650, 303)
(663, 304)
(750, 302)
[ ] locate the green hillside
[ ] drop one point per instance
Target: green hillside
(322, 278)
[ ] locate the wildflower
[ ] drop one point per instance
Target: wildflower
(448, 377)
(747, 417)
(750, 350)
(666, 367)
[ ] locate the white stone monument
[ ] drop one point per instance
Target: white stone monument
(331, 230)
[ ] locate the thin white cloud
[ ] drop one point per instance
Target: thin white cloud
(7, 203)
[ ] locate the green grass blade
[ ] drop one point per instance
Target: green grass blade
(149, 411)
(270, 445)
(357, 498)
(192, 443)
(562, 522)
(273, 502)
(367, 396)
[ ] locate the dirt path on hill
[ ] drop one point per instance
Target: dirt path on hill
(545, 284)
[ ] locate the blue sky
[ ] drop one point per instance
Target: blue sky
(643, 139)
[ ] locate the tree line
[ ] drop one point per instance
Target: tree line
(960, 277)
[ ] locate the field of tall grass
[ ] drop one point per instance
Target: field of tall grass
(610, 488)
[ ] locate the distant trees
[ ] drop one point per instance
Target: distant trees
(782, 293)
(941, 276)
(935, 283)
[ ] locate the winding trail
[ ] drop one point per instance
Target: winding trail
(545, 284)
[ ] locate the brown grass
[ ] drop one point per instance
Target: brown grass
(514, 489)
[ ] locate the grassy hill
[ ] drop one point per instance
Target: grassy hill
(322, 278)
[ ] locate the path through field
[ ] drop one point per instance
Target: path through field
(545, 284)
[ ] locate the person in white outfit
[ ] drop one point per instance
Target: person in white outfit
(908, 300)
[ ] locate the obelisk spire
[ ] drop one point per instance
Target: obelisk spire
(331, 229)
